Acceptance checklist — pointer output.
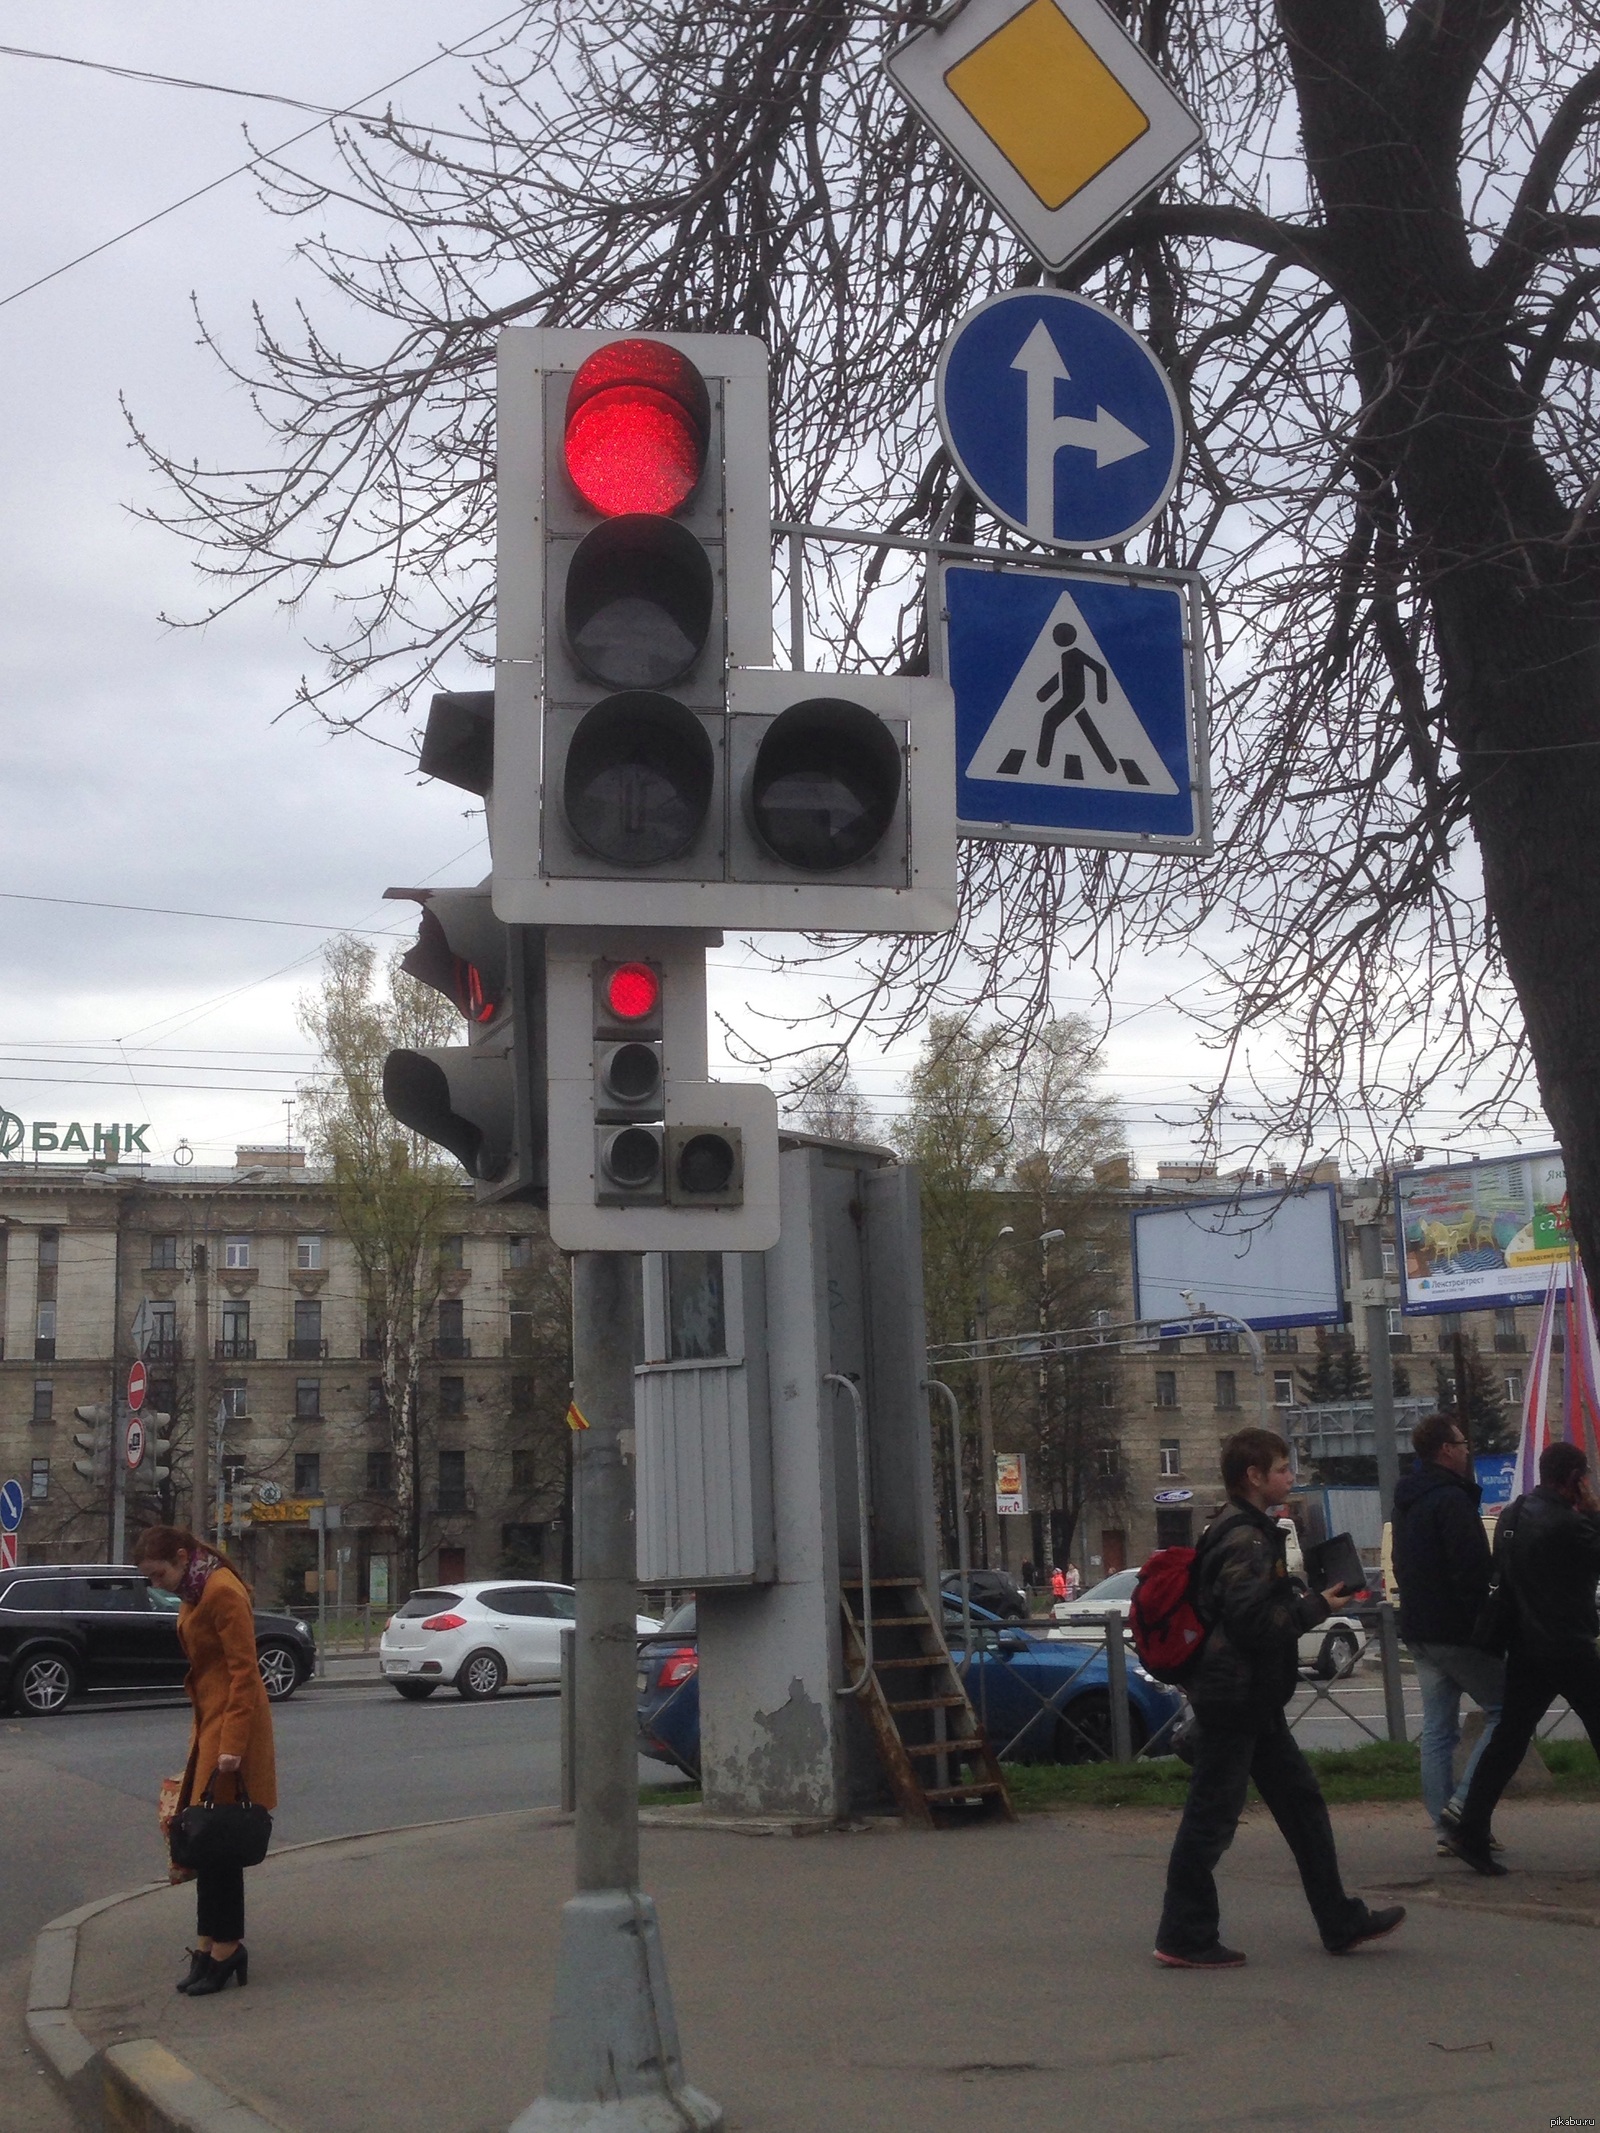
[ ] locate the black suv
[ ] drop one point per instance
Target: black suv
(70, 1627)
(997, 1590)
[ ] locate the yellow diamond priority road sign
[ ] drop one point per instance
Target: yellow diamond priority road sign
(1052, 110)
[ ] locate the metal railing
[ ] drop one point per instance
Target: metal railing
(307, 1350)
(237, 1350)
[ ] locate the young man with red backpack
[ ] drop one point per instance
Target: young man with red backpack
(1252, 1613)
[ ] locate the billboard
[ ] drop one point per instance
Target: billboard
(1473, 1235)
(1270, 1258)
(1011, 1484)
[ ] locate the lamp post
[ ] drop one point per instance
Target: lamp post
(989, 1518)
(1046, 1239)
(1198, 1308)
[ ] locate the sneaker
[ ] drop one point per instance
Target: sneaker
(1449, 1822)
(1480, 1858)
(1372, 1925)
(1216, 1957)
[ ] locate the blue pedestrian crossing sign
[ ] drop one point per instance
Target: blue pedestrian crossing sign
(1079, 716)
(1059, 418)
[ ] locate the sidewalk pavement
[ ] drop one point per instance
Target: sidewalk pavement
(973, 1981)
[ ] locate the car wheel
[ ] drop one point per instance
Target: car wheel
(482, 1675)
(414, 1691)
(280, 1671)
(1087, 1739)
(44, 1685)
(1339, 1648)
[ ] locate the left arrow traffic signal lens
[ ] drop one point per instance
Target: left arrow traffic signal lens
(638, 782)
(825, 784)
(638, 424)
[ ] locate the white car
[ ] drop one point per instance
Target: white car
(477, 1637)
(1329, 1649)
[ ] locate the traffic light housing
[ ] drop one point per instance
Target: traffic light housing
(95, 1440)
(484, 1100)
(646, 1154)
(156, 1465)
(650, 766)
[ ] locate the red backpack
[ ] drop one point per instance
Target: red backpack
(1167, 1631)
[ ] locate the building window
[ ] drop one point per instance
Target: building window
(380, 1471)
(524, 1470)
(236, 1332)
(452, 1396)
(236, 1399)
(1101, 1320)
(1388, 1259)
(1166, 1388)
(1175, 1528)
(1108, 1392)
(236, 1252)
(522, 1396)
(308, 1399)
(1396, 1323)
(1514, 1388)
(1171, 1456)
(161, 1346)
(521, 1342)
(1449, 1326)
(44, 1400)
(39, 1480)
(1109, 1458)
(308, 1473)
(1283, 1388)
(164, 1253)
(519, 1253)
(452, 1254)
(1227, 1388)
(307, 1343)
(49, 1248)
(308, 1253)
(44, 1333)
(452, 1481)
(163, 1396)
(375, 1400)
(452, 1327)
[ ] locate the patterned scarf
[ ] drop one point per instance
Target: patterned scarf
(201, 1565)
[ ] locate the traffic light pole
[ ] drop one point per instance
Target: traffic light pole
(613, 2063)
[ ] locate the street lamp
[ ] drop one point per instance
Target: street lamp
(985, 1407)
(1046, 1239)
(1198, 1308)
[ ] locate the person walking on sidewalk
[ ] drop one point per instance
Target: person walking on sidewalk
(1441, 1559)
(1254, 1613)
(1547, 1553)
(231, 1737)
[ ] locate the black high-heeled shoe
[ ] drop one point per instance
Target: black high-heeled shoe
(219, 1974)
(198, 1959)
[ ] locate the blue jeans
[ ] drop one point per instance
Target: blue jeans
(1444, 1672)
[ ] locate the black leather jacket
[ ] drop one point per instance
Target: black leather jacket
(1554, 1557)
(1255, 1612)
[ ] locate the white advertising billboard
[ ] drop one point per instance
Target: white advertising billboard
(1473, 1235)
(1270, 1258)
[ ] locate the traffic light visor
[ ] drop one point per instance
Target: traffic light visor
(638, 780)
(420, 1094)
(638, 602)
(825, 784)
(638, 423)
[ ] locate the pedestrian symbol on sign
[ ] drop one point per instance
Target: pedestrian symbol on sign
(1101, 746)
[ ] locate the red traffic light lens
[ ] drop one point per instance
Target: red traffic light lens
(632, 991)
(638, 423)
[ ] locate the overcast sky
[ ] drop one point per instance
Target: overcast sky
(150, 766)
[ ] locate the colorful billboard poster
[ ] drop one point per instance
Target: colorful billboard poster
(1011, 1484)
(1473, 1235)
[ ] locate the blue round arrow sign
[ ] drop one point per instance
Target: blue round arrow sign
(10, 1507)
(1059, 418)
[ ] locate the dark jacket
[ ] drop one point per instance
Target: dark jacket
(1554, 1558)
(1254, 1612)
(1441, 1555)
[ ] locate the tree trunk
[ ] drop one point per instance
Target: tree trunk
(1514, 597)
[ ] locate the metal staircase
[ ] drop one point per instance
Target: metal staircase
(939, 1764)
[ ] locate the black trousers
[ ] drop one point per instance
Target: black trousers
(1227, 1757)
(1533, 1682)
(219, 1903)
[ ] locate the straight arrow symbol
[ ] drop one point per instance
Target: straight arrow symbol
(1040, 362)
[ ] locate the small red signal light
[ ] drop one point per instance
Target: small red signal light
(638, 423)
(632, 991)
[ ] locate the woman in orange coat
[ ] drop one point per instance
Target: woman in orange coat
(231, 1735)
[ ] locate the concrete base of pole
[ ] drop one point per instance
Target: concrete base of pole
(613, 2065)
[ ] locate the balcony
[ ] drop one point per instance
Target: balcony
(1511, 1344)
(236, 1350)
(451, 1348)
(164, 1348)
(308, 1351)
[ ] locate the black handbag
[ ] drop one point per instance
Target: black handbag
(229, 1833)
(1497, 1618)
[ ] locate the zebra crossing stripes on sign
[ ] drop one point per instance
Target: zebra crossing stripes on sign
(1077, 707)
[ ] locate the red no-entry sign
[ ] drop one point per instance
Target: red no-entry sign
(136, 1385)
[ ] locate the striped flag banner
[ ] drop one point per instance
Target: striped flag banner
(1583, 1367)
(1535, 1420)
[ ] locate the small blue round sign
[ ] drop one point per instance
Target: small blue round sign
(1059, 418)
(10, 1507)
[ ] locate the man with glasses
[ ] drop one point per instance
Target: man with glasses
(1441, 1560)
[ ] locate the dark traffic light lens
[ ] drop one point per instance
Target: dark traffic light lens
(632, 1157)
(826, 784)
(633, 1072)
(638, 423)
(706, 1164)
(638, 779)
(638, 602)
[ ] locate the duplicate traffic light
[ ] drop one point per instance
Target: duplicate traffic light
(650, 764)
(95, 1441)
(484, 1100)
(156, 1465)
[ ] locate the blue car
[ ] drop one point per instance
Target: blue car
(1039, 1699)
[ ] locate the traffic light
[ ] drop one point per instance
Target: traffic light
(96, 1441)
(646, 1154)
(156, 1465)
(483, 1100)
(650, 766)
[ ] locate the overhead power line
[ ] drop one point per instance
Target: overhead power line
(232, 918)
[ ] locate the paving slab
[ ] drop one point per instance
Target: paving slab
(980, 1981)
